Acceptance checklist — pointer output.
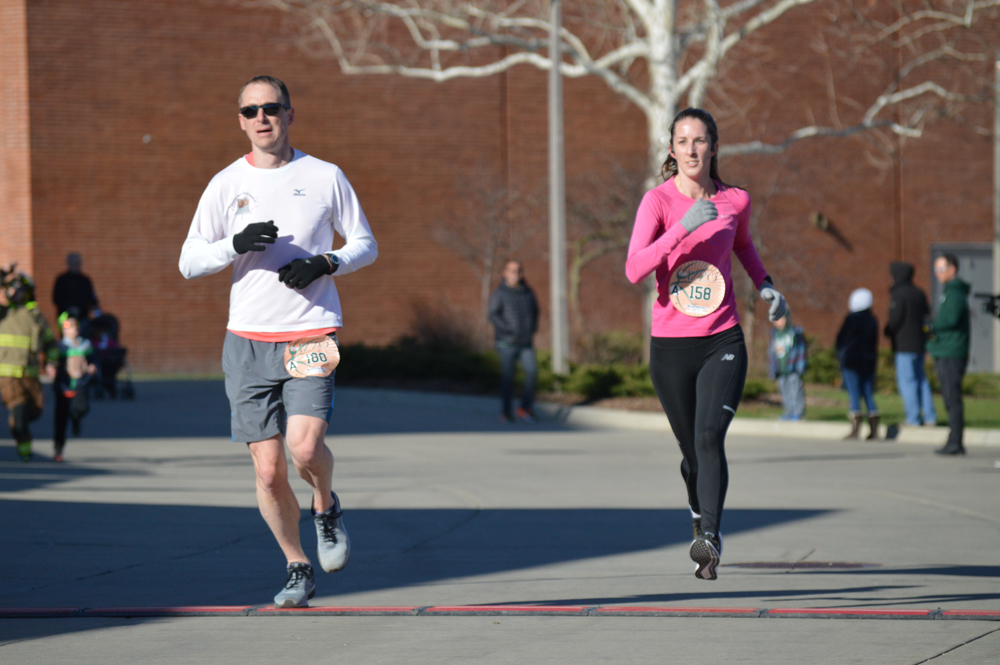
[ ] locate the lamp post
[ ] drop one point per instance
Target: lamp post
(996, 208)
(557, 201)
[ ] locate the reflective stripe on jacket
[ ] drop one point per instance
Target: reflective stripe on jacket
(24, 334)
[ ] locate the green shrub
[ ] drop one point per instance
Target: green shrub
(593, 381)
(408, 359)
(981, 384)
(757, 386)
(635, 382)
(932, 377)
(547, 379)
(823, 366)
(885, 372)
(618, 347)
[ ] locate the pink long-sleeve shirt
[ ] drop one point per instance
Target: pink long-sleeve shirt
(659, 243)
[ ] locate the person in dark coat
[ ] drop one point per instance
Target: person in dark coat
(514, 314)
(908, 314)
(949, 347)
(857, 349)
(74, 290)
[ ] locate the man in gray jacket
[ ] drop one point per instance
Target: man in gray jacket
(514, 315)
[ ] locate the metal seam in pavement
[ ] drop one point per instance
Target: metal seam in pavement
(497, 610)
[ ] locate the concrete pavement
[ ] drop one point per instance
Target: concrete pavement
(447, 507)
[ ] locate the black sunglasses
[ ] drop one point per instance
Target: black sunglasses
(272, 109)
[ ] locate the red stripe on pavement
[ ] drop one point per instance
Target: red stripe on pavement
(486, 610)
(371, 609)
(687, 610)
(166, 611)
(528, 609)
(24, 612)
(849, 612)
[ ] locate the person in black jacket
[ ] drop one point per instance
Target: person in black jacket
(908, 313)
(514, 315)
(857, 348)
(74, 290)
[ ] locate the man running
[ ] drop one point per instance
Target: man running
(272, 214)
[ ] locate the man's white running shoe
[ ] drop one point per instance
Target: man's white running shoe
(299, 587)
(333, 545)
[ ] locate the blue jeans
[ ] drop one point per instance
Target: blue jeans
(509, 355)
(858, 386)
(914, 388)
(793, 394)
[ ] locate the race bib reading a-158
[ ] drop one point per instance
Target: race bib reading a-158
(697, 288)
(312, 356)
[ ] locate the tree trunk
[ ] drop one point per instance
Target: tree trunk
(658, 122)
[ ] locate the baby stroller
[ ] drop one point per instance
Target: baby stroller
(110, 357)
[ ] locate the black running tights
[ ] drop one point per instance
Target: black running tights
(699, 381)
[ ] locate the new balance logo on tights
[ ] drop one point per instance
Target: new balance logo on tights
(728, 356)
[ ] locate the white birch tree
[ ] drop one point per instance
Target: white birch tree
(654, 53)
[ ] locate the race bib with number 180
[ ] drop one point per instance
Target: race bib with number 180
(312, 356)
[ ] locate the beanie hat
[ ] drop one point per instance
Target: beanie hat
(861, 299)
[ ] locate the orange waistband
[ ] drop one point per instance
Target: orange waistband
(286, 336)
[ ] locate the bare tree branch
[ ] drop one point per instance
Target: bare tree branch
(654, 53)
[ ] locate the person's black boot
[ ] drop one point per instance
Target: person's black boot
(855, 419)
(872, 427)
(951, 449)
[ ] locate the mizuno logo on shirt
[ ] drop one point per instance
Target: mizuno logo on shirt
(299, 192)
(728, 356)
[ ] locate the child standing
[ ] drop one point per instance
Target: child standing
(857, 348)
(788, 364)
(76, 366)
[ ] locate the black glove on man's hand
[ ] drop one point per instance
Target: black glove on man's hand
(300, 273)
(247, 239)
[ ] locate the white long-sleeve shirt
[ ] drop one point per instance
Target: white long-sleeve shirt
(308, 199)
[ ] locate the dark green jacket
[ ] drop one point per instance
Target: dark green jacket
(950, 330)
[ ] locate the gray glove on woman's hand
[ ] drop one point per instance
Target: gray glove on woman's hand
(776, 300)
(702, 211)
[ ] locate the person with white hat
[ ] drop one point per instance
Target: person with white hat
(857, 349)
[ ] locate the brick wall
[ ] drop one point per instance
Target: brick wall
(133, 110)
(15, 184)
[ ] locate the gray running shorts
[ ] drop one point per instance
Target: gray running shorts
(261, 392)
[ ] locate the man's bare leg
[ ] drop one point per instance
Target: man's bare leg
(312, 458)
(275, 497)
(314, 462)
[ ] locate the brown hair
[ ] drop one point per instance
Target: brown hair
(270, 80)
(669, 168)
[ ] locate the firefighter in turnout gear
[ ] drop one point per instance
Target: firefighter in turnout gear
(27, 348)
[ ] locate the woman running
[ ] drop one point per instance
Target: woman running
(685, 231)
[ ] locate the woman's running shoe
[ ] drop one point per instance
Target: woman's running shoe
(705, 551)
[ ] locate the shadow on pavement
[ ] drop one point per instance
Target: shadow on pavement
(709, 594)
(60, 554)
(948, 570)
(16, 476)
(200, 409)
